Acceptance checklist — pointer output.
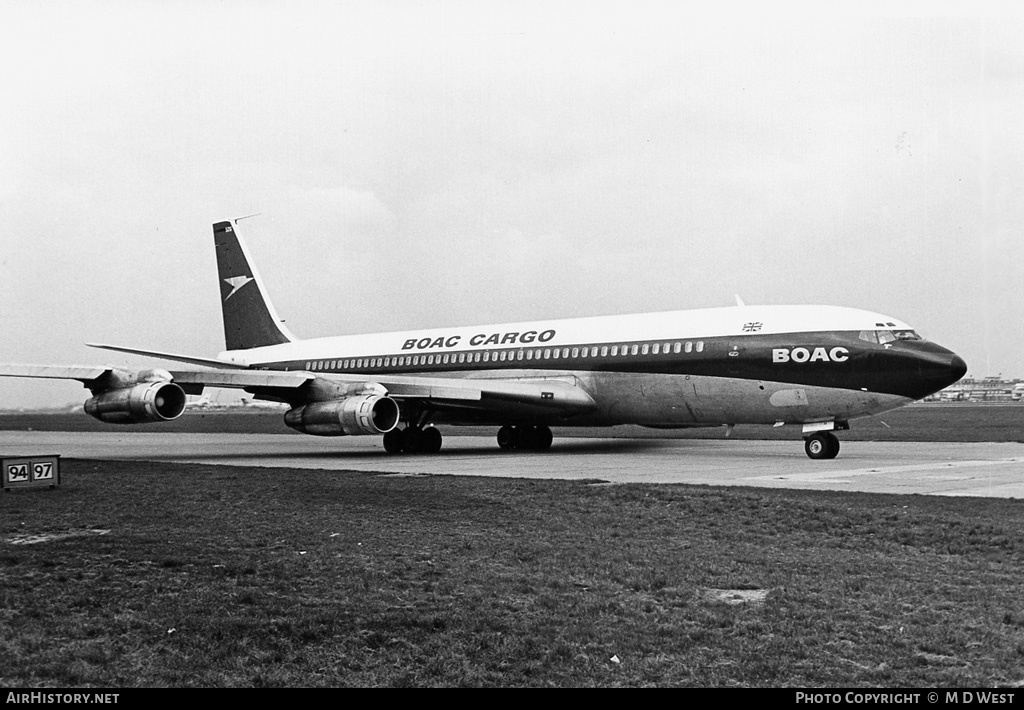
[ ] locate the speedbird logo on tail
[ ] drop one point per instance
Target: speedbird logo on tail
(236, 282)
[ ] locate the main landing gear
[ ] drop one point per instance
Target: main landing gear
(535, 438)
(413, 440)
(822, 445)
(427, 439)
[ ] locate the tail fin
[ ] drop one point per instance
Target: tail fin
(250, 320)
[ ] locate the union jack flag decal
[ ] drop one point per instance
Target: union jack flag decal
(752, 327)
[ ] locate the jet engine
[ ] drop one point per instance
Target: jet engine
(143, 402)
(360, 414)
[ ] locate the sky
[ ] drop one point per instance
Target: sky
(432, 163)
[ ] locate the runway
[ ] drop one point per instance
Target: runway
(950, 469)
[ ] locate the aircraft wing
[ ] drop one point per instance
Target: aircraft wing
(491, 395)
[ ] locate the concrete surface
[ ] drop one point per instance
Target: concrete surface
(950, 469)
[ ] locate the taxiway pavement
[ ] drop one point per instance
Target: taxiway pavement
(950, 469)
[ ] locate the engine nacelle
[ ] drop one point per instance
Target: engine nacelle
(360, 414)
(144, 402)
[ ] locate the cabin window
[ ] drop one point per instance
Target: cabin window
(634, 350)
(584, 352)
(676, 348)
(614, 350)
(604, 351)
(656, 348)
(700, 346)
(547, 353)
(529, 354)
(688, 347)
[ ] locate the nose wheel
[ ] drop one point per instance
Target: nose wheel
(822, 445)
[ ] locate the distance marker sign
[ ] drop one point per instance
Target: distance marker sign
(30, 472)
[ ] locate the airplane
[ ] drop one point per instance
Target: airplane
(817, 367)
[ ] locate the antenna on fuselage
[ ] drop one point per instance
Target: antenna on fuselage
(739, 301)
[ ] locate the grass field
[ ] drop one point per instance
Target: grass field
(158, 574)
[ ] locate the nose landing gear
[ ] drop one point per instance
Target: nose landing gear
(822, 445)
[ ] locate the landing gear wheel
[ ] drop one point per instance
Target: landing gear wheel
(534, 438)
(393, 441)
(412, 440)
(542, 438)
(430, 440)
(507, 437)
(823, 445)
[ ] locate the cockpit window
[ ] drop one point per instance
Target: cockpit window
(887, 336)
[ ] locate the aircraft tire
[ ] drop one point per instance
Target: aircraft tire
(393, 441)
(821, 446)
(507, 437)
(412, 440)
(430, 440)
(542, 438)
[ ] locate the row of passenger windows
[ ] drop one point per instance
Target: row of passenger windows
(508, 355)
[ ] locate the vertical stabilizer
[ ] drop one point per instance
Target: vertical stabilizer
(250, 320)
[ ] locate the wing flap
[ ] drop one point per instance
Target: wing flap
(242, 378)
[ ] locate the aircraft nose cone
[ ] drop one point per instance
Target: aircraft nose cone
(957, 368)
